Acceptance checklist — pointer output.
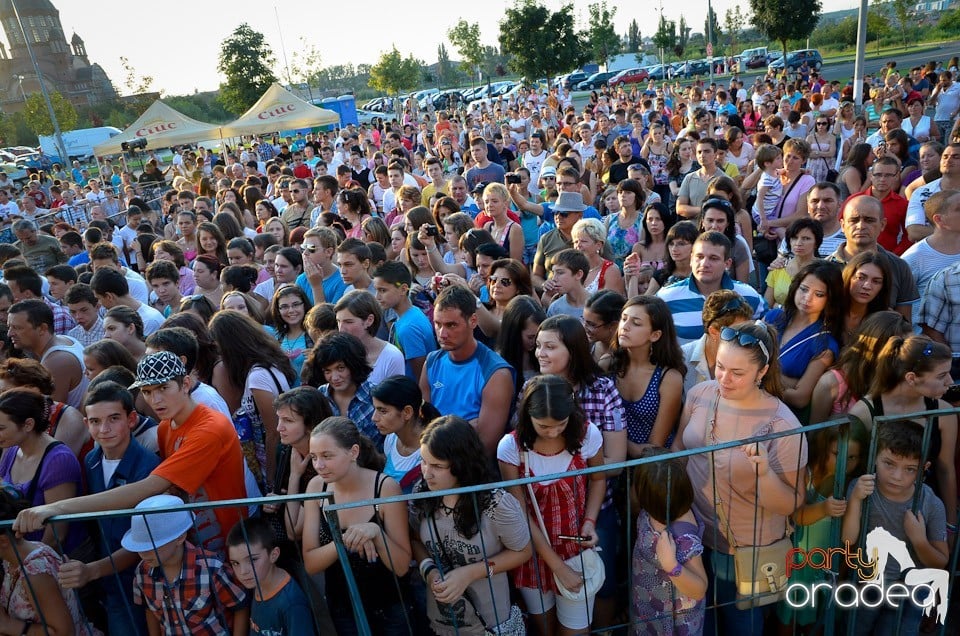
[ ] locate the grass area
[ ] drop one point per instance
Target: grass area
(850, 53)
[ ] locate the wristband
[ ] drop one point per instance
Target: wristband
(588, 519)
(430, 568)
(675, 572)
(425, 566)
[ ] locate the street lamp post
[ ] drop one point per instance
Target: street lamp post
(22, 93)
(43, 88)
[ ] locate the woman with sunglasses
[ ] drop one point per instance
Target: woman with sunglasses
(912, 375)
(288, 310)
(809, 327)
(758, 485)
(508, 279)
(722, 308)
(823, 149)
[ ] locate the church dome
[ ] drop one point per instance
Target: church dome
(27, 7)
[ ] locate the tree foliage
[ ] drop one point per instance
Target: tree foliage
(246, 62)
(683, 37)
(540, 42)
(37, 117)
(783, 20)
(393, 73)
(633, 37)
(950, 21)
(733, 23)
(711, 22)
(305, 67)
(901, 9)
(666, 36)
(600, 35)
(445, 71)
(465, 37)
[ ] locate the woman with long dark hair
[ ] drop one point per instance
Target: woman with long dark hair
(517, 339)
(853, 176)
(288, 309)
(457, 533)
(680, 239)
(258, 371)
(809, 327)
(867, 279)
(401, 415)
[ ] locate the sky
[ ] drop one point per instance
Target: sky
(178, 42)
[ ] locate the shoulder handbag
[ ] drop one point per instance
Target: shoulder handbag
(760, 570)
(588, 562)
(512, 626)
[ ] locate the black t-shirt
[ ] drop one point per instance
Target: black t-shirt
(619, 169)
(286, 157)
(506, 157)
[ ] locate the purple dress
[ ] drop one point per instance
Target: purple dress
(657, 607)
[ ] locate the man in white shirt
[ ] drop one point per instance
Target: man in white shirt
(7, 206)
(533, 160)
(111, 288)
(585, 145)
(940, 249)
(830, 104)
(518, 126)
(916, 221)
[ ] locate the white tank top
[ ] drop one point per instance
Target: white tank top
(75, 396)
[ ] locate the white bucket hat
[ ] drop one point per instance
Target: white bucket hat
(157, 530)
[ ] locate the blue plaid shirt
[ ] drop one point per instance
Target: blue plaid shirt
(360, 412)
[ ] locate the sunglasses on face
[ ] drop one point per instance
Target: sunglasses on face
(729, 334)
(503, 282)
(308, 248)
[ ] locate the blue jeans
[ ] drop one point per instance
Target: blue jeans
(883, 621)
(721, 599)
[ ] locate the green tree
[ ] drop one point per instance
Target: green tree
(465, 37)
(444, 69)
(783, 20)
(711, 22)
(901, 9)
(633, 37)
(666, 36)
(305, 66)
(600, 35)
(733, 22)
(393, 73)
(246, 62)
(683, 37)
(38, 119)
(950, 21)
(540, 42)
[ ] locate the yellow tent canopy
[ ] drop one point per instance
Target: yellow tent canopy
(279, 109)
(162, 126)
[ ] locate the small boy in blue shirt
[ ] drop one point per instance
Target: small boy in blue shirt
(279, 607)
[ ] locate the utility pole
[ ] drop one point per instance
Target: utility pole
(43, 87)
(710, 37)
(858, 66)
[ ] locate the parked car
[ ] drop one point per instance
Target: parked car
(367, 116)
(691, 68)
(571, 80)
(595, 81)
(795, 60)
(659, 72)
(38, 161)
(629, 76)
(447, 99)
(14, 172)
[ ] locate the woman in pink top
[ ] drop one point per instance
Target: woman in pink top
(758, 485)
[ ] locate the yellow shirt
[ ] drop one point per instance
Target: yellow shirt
(429, 190)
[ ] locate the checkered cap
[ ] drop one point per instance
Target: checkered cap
(158, 368)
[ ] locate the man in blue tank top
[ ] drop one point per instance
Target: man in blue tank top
(465, 377)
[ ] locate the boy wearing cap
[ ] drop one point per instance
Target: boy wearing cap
(184, 589)
(118, 459)
(278, 605)
(199, 449)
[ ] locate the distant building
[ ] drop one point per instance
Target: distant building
(63, 67)
(936, 6)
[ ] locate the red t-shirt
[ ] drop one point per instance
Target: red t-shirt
(202, 457)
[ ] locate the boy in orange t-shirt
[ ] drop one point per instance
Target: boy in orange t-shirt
(200, 454)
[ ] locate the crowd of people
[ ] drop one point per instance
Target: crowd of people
(452, 298)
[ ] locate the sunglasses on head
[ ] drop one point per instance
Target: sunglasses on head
(745, 339)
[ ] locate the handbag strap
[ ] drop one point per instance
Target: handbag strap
(533, 497)
(786, 196)
(797, 344)
(35, 480)
(717, 500)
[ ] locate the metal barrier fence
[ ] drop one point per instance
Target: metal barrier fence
(828, 619)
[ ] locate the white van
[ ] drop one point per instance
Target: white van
(79, 143)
